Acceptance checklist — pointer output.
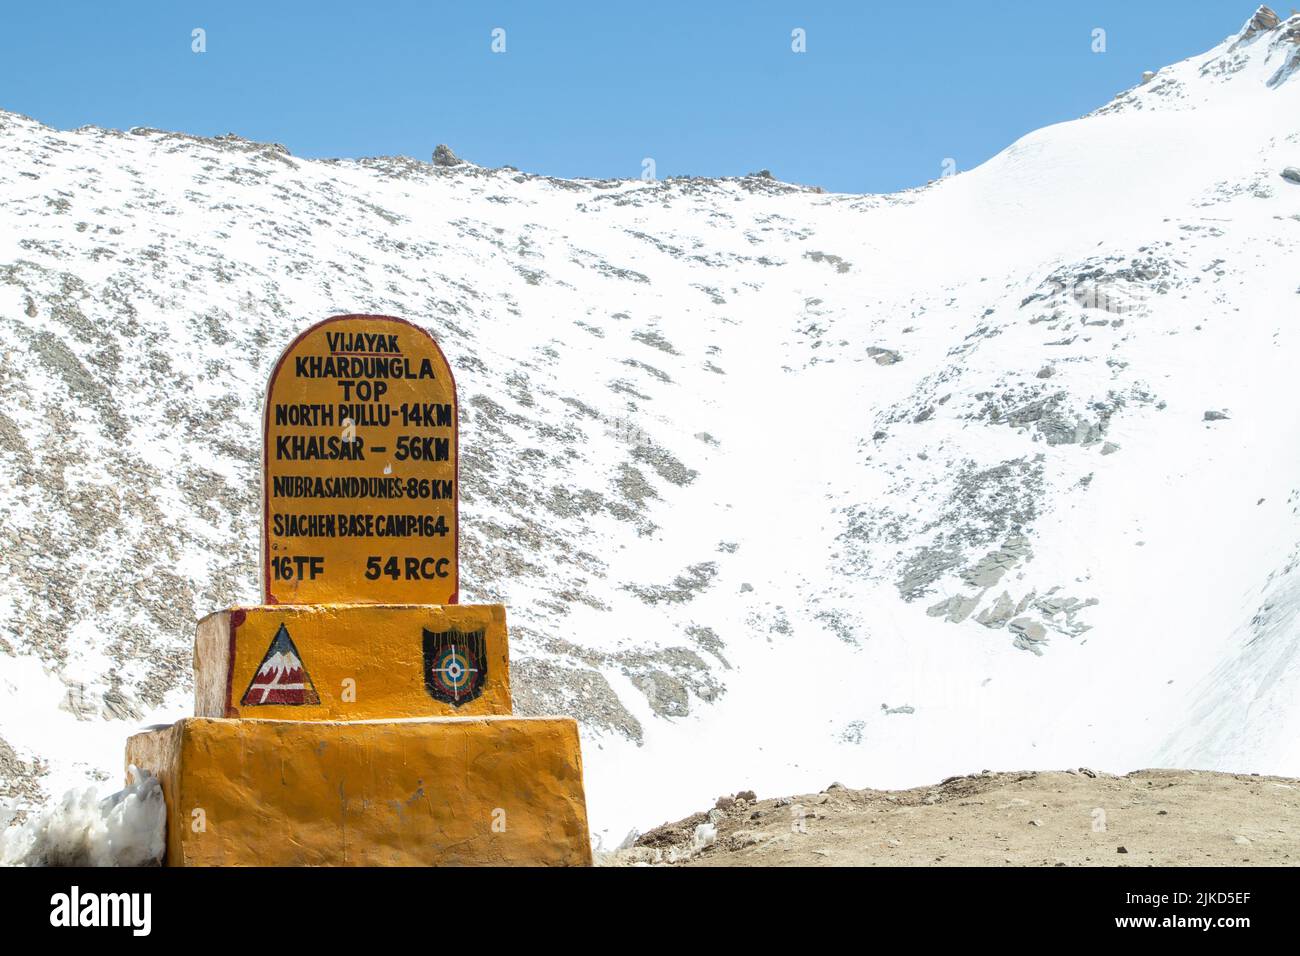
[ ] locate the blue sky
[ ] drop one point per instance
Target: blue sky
(883, 94)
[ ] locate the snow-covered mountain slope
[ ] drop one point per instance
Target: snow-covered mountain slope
(780, 486)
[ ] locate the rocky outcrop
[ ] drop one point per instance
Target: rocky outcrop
(1263, 20)
(443, 156)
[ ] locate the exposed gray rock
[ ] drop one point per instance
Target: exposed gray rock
(120, 706)
(76, 703)
(1050, 417)
(985, 505)
(1292, 174)
(668, 467)
(443, 156)
(884, 356)
(655, 340)
(19, 779)
(989, 569)
(542, 687)
(999, 613)
(1029, 634)
(708, 639)
(1061, 612)
(1263, 20)
(1215, 416)
(954, 609)
(841, 265)
(693, 581)
(665, 693)
(839, 624)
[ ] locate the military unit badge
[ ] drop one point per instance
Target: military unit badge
(455, 665)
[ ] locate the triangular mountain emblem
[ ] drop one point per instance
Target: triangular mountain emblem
(281, 678)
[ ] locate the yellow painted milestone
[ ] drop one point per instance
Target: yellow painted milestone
(360, 456)
(352, 662)
(451, 791)
(362, 715)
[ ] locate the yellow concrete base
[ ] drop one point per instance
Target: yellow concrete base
(449, 791)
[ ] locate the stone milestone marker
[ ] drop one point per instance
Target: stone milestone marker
(359, 451)
(362, 715)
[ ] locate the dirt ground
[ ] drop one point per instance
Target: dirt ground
(1048, 818)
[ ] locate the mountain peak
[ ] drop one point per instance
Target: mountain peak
(1262, 56)
(1262, 20)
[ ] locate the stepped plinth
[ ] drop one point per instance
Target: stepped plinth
(354, 662)
(361, 716)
